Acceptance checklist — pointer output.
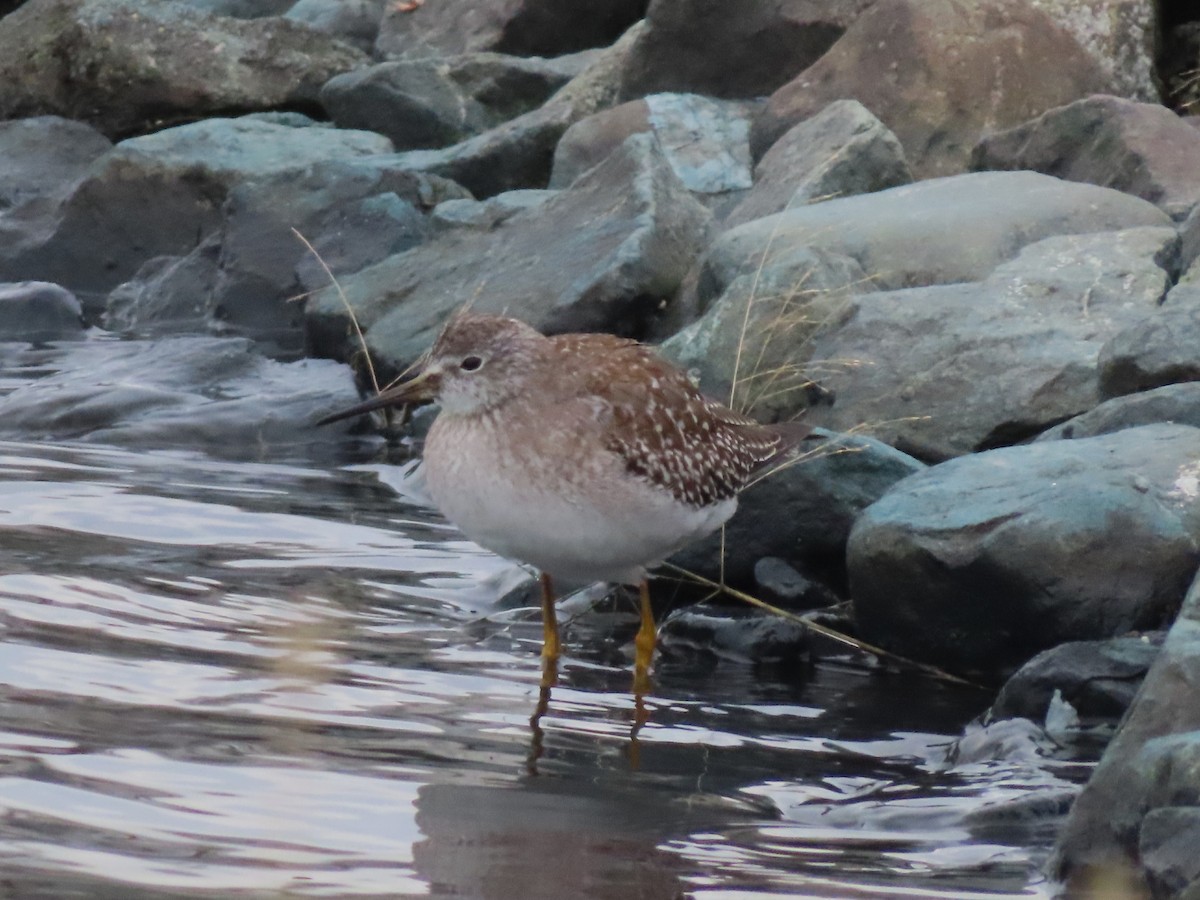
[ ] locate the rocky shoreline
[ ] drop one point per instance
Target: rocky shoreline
(962, 237)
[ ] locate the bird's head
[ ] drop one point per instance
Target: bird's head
(477, 363)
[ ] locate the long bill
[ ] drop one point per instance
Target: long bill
(421, 388)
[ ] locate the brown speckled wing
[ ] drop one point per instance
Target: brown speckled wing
(666, 430)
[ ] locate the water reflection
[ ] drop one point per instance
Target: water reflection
(247, 680)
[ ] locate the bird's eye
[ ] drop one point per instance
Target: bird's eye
(470, 363)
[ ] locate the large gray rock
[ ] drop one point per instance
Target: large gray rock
(125, 66)
(36, 311)
(160, 195)
(167, 295)
(941, 231)
(600, 256)
(802, 513)
(1142, 149)
(435, 102)
(979, 563)
(1119, 35)
(1159, 350)
(707, 142)
(520, 27)
(732, 48)
(518, 154)
(938, 73)
(354, 21)
(1150, 767)
(942, 371)
(1098, 678)
(841, 151)
(201, 393)
(1172, 403)
(45, 156)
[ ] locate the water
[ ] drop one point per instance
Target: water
(268, 679)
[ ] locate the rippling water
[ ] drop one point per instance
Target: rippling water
(237, 679)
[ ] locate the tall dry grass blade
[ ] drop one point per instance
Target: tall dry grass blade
(362, 340)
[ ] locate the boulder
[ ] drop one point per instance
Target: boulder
(45, 156)
(161, 194)
(946, 370)
(1123, 817)
(939, 73)
(167, 295)
(486, 214)
(1119, 35)
(841, 151)
(36, 311)
(1098, 678)
(1172, 403)
(519, 153)
(353, 21)
(519, 27)
(1142, 149)
(732, 48)
(600, 256)
(979, 563)
(1158, 350)
(125, 66)
(706, 142)
(435, 102)
(940, 231)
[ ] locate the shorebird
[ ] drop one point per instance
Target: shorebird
(586, 456)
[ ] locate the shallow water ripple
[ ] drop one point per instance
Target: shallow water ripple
(238, 679)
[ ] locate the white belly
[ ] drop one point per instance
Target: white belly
(588, 521)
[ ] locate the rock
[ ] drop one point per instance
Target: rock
(45, 156)
(435, 102)
(731, 48)
(777, 582)
(1157, 350)
(125, 66)
(1178, 403)
(486, 214)
(803, 512)
(1098, 678)
(353, 215)
(946, 370)
(1167, 844)
(518, 154)
(1189, 245)
(925, 67)
(601, 255)
(354, 21)
(167, 295)
(941, 231)
(1151, 764)
(519, 27)
(106, 228)
(1119, 35)
(841, 151)
(740, 634)
(1142, 149)
(705, 141)
(202, 393)
(241, 9)
(979, 563)
(37, 311)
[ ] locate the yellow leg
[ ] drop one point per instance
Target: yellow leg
(646, 638)
(551, 647)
